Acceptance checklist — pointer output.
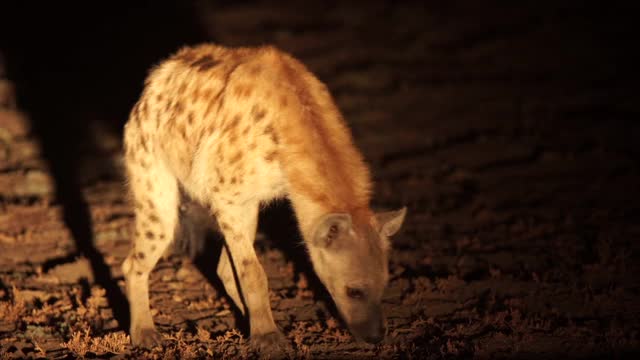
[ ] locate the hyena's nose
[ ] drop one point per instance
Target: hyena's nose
(376, 333)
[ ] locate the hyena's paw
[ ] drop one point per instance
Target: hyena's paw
(146, 337)
(274, 344)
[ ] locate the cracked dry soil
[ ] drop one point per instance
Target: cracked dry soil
(509, 130)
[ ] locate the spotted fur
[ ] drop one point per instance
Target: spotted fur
(235, 128)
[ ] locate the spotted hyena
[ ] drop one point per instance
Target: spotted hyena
(234, 128)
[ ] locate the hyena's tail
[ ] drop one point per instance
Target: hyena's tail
(194, 225)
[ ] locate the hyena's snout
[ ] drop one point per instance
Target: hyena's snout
(371, 330)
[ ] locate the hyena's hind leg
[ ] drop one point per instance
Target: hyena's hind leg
(195, 222)
(156, 198)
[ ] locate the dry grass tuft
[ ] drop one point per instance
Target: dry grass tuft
(11, 310)
(182, 345)
(82, 342)
(232, 344)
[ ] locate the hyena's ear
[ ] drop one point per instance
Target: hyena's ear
(330, 227)
(391, 221)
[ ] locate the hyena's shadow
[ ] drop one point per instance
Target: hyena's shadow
(73, 71)
(199, 237)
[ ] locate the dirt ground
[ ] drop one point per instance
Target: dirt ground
(508, 129)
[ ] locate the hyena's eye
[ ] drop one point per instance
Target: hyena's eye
(333, 232)
(355, 293)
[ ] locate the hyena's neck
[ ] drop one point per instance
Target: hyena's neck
(325, 171)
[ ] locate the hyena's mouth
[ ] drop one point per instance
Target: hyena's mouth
(371, 331)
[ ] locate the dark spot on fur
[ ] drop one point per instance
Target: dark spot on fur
(232, 138)
(143, 109)
(143, 143)
(234, 122)
(258, 113)
(149, 235)
(143, 163)
(140, 255)
(159, 97)
(209, 107)
(153, 218)
(215, 189)
(238, 90)
(178, 108)
(190, 118)
(234, 159)
(205, 63)
(270, 156)
(210, 128)
(187, 57)
(182, 130)
(224, 226)
(139, 273)
(255, 70)
(269, 131)
(153, 248)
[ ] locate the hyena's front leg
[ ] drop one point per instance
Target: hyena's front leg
(156, 198)
(238, 224)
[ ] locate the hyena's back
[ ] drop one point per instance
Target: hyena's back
(247, 122)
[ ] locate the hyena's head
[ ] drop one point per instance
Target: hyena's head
(350, 259)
